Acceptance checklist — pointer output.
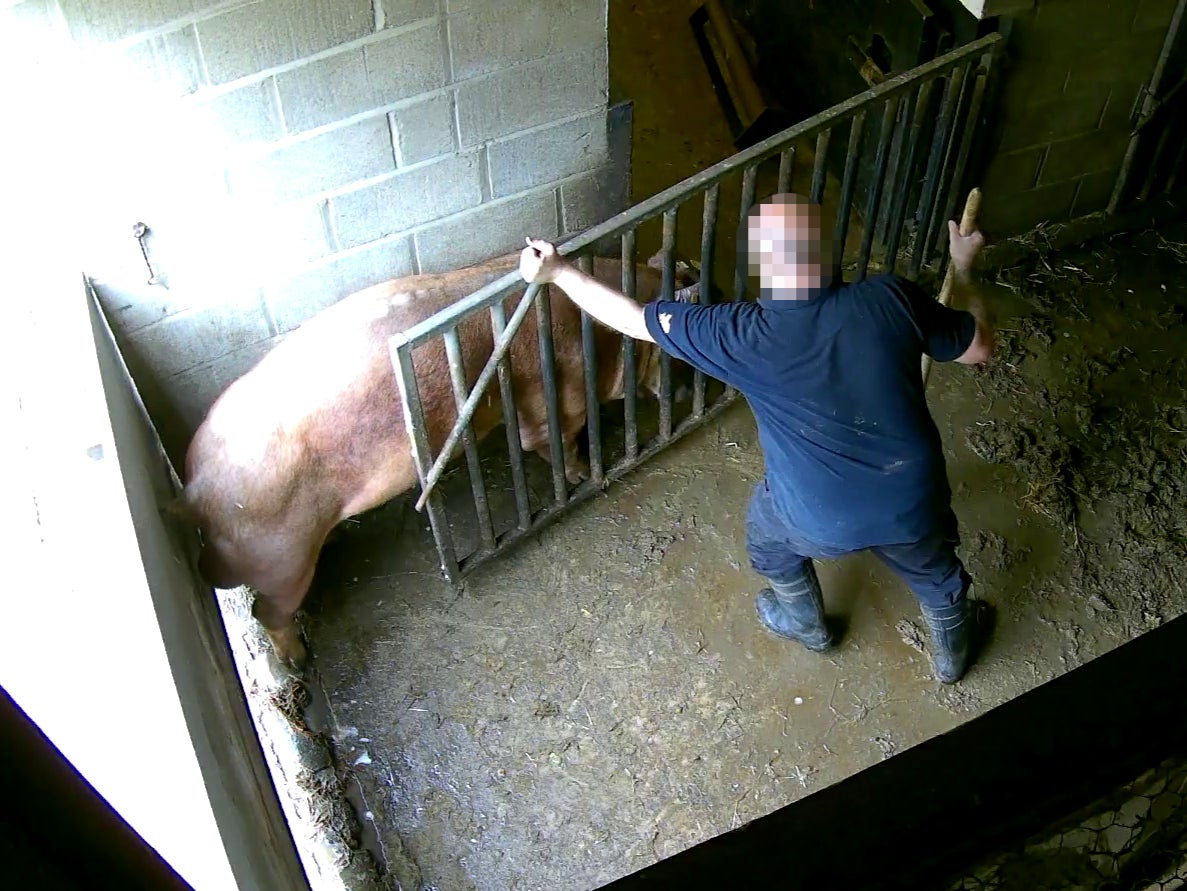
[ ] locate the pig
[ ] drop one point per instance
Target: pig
(314, 433)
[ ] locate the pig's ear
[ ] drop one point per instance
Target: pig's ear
(656, 261)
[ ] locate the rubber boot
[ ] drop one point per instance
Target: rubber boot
(795, 611)
(957, 635)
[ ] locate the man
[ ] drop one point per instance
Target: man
(832, 373)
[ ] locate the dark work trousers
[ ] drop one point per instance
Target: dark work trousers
(929, 566)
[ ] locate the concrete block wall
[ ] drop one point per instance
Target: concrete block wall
(1073, 78)
(285, 153)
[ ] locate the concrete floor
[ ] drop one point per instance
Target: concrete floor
(603, 696)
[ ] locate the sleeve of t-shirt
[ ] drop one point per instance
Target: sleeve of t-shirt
(704, 336)
(947, 333)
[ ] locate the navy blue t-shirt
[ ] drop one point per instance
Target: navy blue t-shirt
(853, 457)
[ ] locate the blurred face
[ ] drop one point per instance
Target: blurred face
(786, 247)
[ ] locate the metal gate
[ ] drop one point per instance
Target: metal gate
(1154, 157)
(921, 126)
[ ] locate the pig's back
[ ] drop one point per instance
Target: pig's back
(328, 386)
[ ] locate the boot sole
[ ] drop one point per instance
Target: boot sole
(817, 648)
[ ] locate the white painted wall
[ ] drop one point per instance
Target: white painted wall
(80, 648)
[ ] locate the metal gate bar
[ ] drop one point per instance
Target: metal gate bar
(888, 132)
(457, 375)
(548, 375)
(931, 179)
(786, 166)
(741, 273)
(630, 379)
(1150, 99)
(667, 292)
(705, 294)
(905, 186)
(911, 92)
(956, 179)
(895, 162)
(414, 421)
(935, 224)
(523, 511)
(818, 168)
(589, 353)
(848, 184)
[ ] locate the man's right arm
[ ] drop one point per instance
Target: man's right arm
(539, 262)
(697, 334)
(966, 294)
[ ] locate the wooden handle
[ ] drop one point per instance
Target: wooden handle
(972, 207)
(968, 222)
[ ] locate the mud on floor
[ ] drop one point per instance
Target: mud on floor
(1085, 413)
(603, 696)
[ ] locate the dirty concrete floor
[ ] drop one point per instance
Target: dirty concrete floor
(603, 696)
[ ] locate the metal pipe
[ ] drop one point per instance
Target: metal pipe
(523, 508)
(422, 454)
(903, 189)
(819, 166)
(593, 409)
(630, 379)
(402, 341)
(556, 444)
(1149, 102)
(667, 292)
(931, 177)
(786, 165)
(680, 192)
(848, 183)
(889, 121)
(705, 291)
(457, 375)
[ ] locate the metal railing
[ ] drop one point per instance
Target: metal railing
(925, 121)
